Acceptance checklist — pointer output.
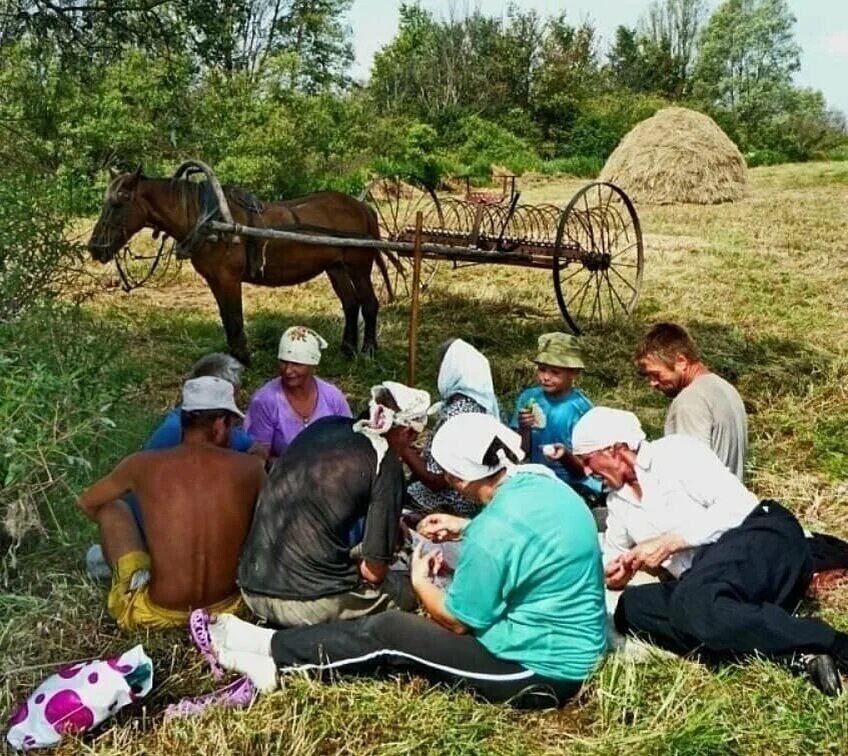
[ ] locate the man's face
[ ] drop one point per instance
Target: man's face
(607, 465)
(554, 380)
(670, 380)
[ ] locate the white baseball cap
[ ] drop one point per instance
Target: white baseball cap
(209, 393)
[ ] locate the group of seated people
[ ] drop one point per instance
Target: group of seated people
(302, 517)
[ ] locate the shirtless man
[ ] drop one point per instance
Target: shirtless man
(704, 405)
(196, 501)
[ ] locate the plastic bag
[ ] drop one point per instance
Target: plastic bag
(79, 697)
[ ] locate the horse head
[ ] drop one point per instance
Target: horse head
(123, 215)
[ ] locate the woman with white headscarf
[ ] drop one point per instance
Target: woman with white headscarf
(283, 407)
(523, 620)
(465, 386)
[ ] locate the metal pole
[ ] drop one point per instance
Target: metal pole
(416, 290)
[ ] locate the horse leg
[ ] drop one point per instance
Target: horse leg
(360, 274)
(227, 294)
(345, 291)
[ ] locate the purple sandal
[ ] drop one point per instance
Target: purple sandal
(198, 628)
(236, 695)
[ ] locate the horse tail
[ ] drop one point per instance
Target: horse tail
(384, 272)
(381, 254)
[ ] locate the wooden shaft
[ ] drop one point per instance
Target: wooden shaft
(414, 304)
(466, 252)
(447, 251)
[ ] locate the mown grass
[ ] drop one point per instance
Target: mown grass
(762, 285)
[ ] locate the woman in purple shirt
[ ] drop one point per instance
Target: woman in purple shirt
(283, 407)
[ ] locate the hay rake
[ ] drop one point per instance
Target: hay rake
(593, 247)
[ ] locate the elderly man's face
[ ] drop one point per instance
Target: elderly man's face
(608, 465)
(670, 380)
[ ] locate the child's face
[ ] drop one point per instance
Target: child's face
(554, 380)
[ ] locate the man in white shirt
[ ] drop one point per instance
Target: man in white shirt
(704, 405)
(739, 567)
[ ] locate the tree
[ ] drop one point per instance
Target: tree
(744, 72)
(441, 71)
(567, 77)
(313, 33)
(658, 57)
(674, 26)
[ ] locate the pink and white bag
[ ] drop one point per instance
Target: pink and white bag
(79, 697)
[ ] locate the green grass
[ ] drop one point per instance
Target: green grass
(762, 285)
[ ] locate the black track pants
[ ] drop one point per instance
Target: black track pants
(400, 642)
(738, 596)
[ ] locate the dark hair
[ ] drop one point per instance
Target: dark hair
(665, 341)
(491, 458)
(384, 396)
(203, 419)
(443, 350)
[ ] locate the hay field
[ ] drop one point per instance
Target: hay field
(762, 284)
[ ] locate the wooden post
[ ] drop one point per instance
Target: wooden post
(416, 291)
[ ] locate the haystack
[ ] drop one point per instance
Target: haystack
(678, 156)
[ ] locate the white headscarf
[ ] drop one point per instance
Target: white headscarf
(461, 443)
(603, 427)
(412, 413)
(466, 371)
(302, 345)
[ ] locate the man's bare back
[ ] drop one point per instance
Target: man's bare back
(197, 504)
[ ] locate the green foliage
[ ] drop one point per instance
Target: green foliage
(36, 257)
(748, 56)
(260, 90)
(756, 158)
(417, 154)
(484, 144)
(54, 404)
(580, 166)
(603, 121)
(837, 153)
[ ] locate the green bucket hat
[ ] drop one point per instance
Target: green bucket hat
(560, 350)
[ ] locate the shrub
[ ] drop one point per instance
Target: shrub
(54, 400)
(417, 154)
(580, 166)
(598, 125)
(765, 157)
(837, 153)
(36, 256)
(484, 144)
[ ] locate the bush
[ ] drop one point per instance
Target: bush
(36, 257)
(580, 166)
(595, 127)
(417, 154)
(837, 153)
(765, 157)
(484, 144)
(54, 403)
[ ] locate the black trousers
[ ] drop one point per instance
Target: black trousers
(738, 596)
(399, 642)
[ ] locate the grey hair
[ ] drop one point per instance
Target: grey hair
(218, 365)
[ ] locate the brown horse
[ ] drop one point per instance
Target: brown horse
(171, 206)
